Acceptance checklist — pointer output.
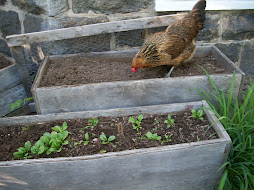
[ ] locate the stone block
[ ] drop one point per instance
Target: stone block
(66, 22)
(37, 7)
(131, 38)
(2, 2)
(11, 24)
(210, 31)
(110, 7)
(238, 25)
(95, 43)
(232, 51)
(247, 59)
(4, 47)
(34, 23)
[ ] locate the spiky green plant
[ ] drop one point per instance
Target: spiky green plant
(237, 117)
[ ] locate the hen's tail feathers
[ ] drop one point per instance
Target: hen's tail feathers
(198, 11)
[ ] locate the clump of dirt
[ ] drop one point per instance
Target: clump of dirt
(84, 70)
(4, 62)
(186, 129)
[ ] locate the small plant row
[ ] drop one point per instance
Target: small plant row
(48, 143)
(54, 141)
(136, 125)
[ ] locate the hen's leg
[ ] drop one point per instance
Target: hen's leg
(169, 73)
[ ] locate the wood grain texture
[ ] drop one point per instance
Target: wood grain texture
(92, 29)
(191, 166)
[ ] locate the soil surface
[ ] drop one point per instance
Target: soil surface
(186, 129)
(84, 70)
(4, 62)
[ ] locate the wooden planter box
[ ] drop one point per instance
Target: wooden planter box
(191, 166)
(122, 94)
(11, 88)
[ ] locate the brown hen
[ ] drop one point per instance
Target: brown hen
(175, 45)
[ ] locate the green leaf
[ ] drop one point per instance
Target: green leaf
(64, 126)
(12, 107)
(29, 98)
(111, 138)
(90, 120)
(28, 146)
(103, 137)
(65, 142)
(18, 155)
(166, 121)
(140, 117)
(95, 122)
(132, 120)
(57, 128)
(87, 136)
(86, 143)
(149, 135)
(21, 150)
(105, 142)
(64, 134)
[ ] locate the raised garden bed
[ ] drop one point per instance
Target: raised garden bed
(191, 165)
(96, 81)
(11, 88)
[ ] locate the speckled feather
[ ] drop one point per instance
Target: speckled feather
(174, 45)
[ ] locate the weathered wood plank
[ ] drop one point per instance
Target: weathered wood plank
(10, 96)
(21, 63)
(221, 132)
(192, 167)
(224, 60)
(9, 77)
(42, 69)
(128, 94)
(93, 29)
(167, 108)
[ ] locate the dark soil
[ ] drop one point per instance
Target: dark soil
(83, 70)
(186, 129)
(4, 62)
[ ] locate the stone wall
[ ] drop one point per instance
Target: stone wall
(231, 31)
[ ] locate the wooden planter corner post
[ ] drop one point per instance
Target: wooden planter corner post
(192, 166)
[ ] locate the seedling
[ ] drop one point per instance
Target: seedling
(55, 140)
(77, 143)
(106, 140)
(86, 142)
(38, 148)
(25, 128)
(167, 139)
(136, 123)
(197, 114)
(153, 137)
(156, 121)
(102, 151)
(170, 122)
(91, 123)
(198, 139)
(23, 152)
